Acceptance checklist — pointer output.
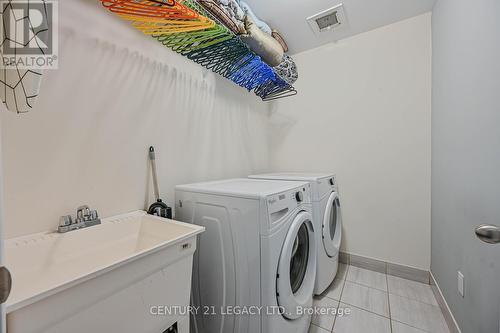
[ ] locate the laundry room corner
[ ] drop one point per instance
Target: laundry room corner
(249, 166)
(373, 129)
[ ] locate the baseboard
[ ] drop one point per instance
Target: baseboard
(405, 272)
(445, 309)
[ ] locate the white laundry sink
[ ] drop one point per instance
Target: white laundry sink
(103, 278)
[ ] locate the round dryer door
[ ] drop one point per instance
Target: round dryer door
(297, 266)
(332, 226)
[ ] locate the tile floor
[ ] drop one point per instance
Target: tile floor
(378, 303)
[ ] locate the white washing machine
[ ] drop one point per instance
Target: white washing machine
(327, 218)
(255, 266)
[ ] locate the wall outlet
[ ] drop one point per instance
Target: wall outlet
(461, 284)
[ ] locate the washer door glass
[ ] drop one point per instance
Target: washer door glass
(300, 257)
(333, 219)
(297, 267)
(332, 226)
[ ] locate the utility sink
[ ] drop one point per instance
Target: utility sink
(104, 278)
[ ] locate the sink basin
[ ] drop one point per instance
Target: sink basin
(46, 267)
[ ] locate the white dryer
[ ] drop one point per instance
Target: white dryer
(255, 266)
(327, 219)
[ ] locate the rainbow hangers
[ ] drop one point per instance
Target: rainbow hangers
(185, 27)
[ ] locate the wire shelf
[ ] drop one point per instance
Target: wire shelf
(188, 29)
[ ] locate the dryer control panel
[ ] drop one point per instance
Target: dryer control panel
(325, 186)
(279, 205)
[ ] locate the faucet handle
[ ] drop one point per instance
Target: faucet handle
(65, 221)
(84, 218)
(83, 213)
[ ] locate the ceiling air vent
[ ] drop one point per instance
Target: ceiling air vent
(328, 20)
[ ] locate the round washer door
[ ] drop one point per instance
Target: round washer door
(332, 225)
(297, 266)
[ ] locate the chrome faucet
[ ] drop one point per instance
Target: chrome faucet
(85, 217)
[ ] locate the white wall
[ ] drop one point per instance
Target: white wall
(363, 111)
(116, 93)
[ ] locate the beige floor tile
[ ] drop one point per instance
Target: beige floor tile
(370, 299)
(403, 328)
(317, 329)
(367, 278)
(361, 321)
(417, 314)
(414, 290)
(324, 321)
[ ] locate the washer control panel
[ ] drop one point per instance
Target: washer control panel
(299, 196)
(279, 205)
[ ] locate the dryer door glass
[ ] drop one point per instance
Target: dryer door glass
(333, 218)
(299, 258)
(332, 225)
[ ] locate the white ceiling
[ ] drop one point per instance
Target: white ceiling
(289, 17)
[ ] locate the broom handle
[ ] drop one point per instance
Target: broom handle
(155, 177)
